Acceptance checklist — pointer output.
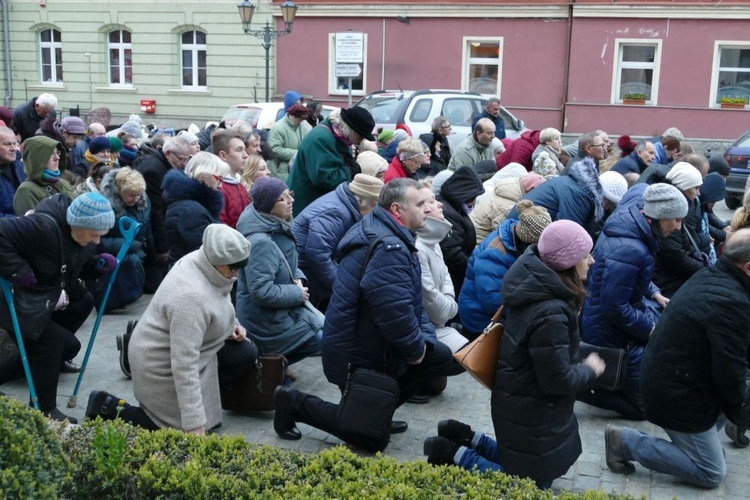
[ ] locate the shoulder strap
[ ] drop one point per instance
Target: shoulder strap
(63, 265)
(690, 237)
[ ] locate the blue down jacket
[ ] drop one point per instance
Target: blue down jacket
(563, 198)
(381, 324)
(318, 231)
(480, 296)
(614, 314)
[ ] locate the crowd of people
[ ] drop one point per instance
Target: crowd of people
(377, 250)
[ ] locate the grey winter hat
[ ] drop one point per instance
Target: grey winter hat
(664, 201)
(91, 211)
(224, 245)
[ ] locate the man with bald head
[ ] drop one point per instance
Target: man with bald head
(11, 171)
(694, 376)
(93, 131)
(475, 148)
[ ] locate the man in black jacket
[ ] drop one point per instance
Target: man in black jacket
(694, 375)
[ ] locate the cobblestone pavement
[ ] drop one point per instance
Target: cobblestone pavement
(464, 399)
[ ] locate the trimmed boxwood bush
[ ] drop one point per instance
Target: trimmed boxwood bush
(114, 460)
(32, 462)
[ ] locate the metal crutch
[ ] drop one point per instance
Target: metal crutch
(8, 292)
(128, 229)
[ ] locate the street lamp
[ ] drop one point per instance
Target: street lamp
(267, 35)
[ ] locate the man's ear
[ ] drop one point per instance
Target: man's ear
(746, 268)
(396, 210)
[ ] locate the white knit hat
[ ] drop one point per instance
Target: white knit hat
(366, 186)
(224, 245)
(684, 176)
(614, 186)
(371, 163)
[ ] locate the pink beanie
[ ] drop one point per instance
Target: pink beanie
(563, 243)
(530, 181)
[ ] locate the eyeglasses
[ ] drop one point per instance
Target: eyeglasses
(597, 145)
(183, 161)
(445, 127)
(286, 197)
(237, 266)
(55, 154)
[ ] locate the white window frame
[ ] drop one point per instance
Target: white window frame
(120, 47)
(467, 60)
(332, 80)
(195, 48)
(716, 68)
(618, 66)
(51, 46)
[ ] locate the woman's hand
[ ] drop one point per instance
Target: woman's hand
(199, 431)
(305, 293)
(239, 334)
(661, 300)
(596, 363)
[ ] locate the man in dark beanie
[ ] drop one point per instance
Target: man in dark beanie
(324, 159)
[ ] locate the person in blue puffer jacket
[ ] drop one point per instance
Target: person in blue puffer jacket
(624, 305)
(480, 296)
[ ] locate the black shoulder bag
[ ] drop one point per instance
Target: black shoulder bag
(34, 305)
(370, 397)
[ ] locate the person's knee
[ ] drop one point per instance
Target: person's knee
(714, 476)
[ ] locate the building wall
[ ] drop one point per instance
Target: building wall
(235, 60)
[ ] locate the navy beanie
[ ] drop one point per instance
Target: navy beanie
(713, 188)
(718, 164)
(265, 192)
(99, 144)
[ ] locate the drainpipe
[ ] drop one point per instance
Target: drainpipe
(6, 44)
(566, 83)
(382, 63)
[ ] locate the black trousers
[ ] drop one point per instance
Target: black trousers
(628, 401)
(56, 344)
(321, 414)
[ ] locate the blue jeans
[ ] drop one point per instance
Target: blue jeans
(694, 458)
(482, 456)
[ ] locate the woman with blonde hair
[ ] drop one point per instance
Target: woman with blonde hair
(125, 190)
(255, 168)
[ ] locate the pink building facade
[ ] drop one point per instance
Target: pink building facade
(553, 63)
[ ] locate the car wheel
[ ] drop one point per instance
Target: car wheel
(732, 200)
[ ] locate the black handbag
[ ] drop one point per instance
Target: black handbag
(368, 404)
(616, 370)
(34, 305)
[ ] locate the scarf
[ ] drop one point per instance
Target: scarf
(586, 175)
(50, 176)
(93, 160)
(336, 130)
(127, 156)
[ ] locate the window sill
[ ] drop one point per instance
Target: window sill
(46, 86)
(127, 90)
(189, 91)
(346, 92)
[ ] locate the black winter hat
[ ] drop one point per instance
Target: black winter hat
(360, 120)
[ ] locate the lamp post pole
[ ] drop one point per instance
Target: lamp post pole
(267, 35)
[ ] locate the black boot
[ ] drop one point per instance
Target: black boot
(69, 367)
(283, 417)
(58, 416)
(104, 405)
(123, 341)
(440, 451)
(737, 435)
(456, 431)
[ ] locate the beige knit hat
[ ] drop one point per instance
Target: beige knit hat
(532, 220)
(371, 163)
(366, 186)
(224, 245)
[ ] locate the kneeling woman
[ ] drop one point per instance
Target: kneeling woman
(537, 377)
(173, 351)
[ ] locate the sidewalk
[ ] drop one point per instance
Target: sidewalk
(464, 399)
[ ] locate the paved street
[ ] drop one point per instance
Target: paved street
(464, 399)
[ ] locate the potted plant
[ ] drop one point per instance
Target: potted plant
(733, 102)
(634, 98)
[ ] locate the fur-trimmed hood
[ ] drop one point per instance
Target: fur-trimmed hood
(179, 187)
(109, 190)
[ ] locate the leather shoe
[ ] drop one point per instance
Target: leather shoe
(59, 416)
(398, 426)
(418, 399)
(613, 451)
(439, 450)
(69, 367)
(283, 423)
(738, 438)
(456, 431)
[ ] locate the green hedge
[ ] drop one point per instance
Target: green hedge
(113, 460)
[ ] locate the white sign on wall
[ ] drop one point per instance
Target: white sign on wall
(350, 48)
(348, 70)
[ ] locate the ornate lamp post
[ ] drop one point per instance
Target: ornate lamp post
(267, 35)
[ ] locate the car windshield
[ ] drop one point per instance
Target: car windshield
(744, 142)
(382, 107)
(249, 115)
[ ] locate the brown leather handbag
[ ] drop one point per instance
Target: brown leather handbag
(479, 358)
(253, 391)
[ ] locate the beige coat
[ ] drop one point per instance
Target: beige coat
(173, 348)
(494, 206)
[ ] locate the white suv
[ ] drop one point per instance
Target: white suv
(414, 111)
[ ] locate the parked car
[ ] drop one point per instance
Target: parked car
(260, 115)
(414, 111)
(738, 157)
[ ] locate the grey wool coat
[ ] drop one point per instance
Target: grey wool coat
(173, 348)
(269, 305)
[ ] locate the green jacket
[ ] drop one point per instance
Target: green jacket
(284, 139)
(323, 162)
(37, 151)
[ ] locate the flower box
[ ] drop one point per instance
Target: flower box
(733, 105)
